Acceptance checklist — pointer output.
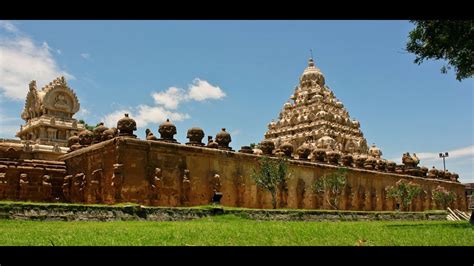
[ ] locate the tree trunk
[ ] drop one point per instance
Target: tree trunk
(274, 203)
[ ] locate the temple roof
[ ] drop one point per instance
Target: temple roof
(313, 114)
(56, 96)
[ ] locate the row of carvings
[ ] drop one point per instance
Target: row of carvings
(126, 127)
(26, 187)
(372, 161)
(79, 188)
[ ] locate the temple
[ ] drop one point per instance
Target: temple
(314, 115)
(49, 114)
(58, 160)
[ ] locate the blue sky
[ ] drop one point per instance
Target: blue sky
(238, 75)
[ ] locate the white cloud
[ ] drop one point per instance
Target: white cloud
(144, 115)
(8, 125)
(156, 114)
(434, 156)
(22, 60)
(235, 132)
(169, 98)
(457, 153)
(8, 26)
(86, 56)
(110, 120)
(167, 103)
(201, 90)
(84, 112)
(58, 51)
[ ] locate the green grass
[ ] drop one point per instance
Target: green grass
(232, 230)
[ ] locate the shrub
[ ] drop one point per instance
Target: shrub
(334, 183)
(404, 192)
(442, 197)
(271, 174)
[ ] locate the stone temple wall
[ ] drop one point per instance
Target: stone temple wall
(31, 180)
(166, 174)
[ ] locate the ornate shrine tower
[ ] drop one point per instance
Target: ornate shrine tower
(48, 114)
(315, 116)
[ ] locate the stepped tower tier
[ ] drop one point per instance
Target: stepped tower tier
(49, 114)
(315, 116)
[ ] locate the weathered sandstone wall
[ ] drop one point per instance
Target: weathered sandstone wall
(124, 170)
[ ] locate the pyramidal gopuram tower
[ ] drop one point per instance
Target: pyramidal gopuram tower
(314, 116)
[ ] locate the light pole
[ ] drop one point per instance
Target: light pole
(441, 155)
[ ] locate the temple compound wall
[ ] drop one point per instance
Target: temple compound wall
(168, 174)
(31, 180)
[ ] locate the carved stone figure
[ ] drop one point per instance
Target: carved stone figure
(109, 133)
(424, 171)
(66, 187)
(195, 135)
(410, 161)
(24, 184)
(156, 184)
(333, 157)
(27, 147)
(391, 165)
(267, 147)
(216, 183)
(369, 164)
(126, 126)
(380, 165)
(56, 148)
(3, 183)
(211, 143)
(359, 160)
(149, 135)
(117, 179)
(223, 139)
(303, 151)
(347, 160)
(186, 186)
(95, 186)
(85, 138)
(77, 190)
(326, 142)
(257, 151)
(73, 143)
(287, 148)
(167, 130)
(245, 149)
(375, 152)
(47, 188)
(278, 153)
(399, 169)
(318, 155)
(98, 132)
(433, 173)
(454, 177)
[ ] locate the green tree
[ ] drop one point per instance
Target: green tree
(334, 183)
(442, 197)
(270, 175)
(403, 193)
(451, 40)
(252, 145)
(91, 128)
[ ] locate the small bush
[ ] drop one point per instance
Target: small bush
(404, 192)
(442, 197)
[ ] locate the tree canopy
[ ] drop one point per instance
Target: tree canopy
(451, 40)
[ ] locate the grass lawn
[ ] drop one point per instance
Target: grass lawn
(231, 230)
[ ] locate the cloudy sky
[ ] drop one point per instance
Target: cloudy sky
(238, 75)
